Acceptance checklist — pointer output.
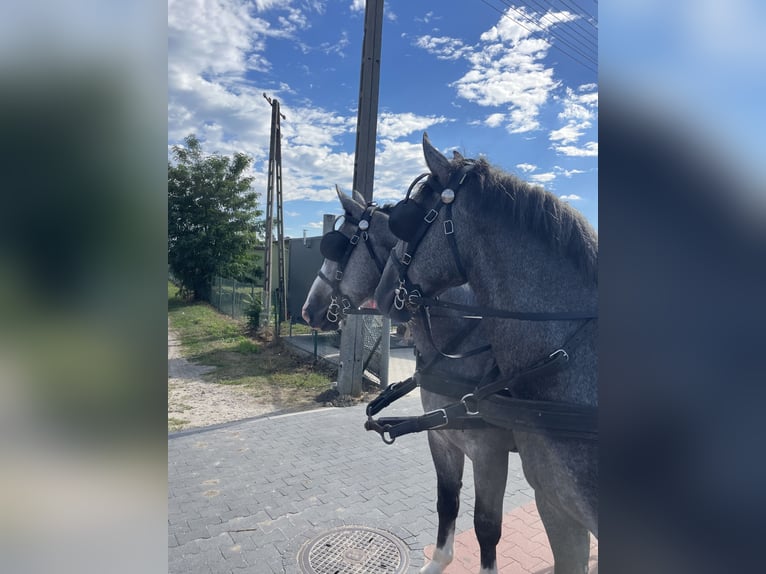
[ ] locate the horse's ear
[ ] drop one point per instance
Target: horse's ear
(457, 156)
(349, 205)
(358, 197)
(437, 164)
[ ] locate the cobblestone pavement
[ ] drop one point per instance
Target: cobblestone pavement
(244, 497)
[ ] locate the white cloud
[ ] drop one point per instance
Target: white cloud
(357, 5)
(315, 225)
(527, 167)
(444, 48)
(494, 120)
(570, 197)
(590, 149)
(570, 133)
(507, 69)
(400, 125)
(567, 172)
(542, 177)
(579, 107)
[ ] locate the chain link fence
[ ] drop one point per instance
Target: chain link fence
(233, 297)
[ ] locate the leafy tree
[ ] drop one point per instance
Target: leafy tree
(213, 218)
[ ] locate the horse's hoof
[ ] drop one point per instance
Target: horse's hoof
(432, 568)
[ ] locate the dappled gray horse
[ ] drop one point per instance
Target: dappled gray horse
(487, 448)
(532, 262)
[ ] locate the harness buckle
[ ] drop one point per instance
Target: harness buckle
(443, 413)
(413, 298)
(406, 258)
(431, 215)
(354, 239)
(468, 410)
(449, 227)
(346, 304)
(338, 275)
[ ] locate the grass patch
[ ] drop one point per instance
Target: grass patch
(265, 367)
(175, 424)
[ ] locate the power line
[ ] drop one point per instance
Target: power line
(590, 65)
(586, 40)
(590, 31)
(550, 32)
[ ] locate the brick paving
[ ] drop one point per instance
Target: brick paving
(244, 497)
(523, 547)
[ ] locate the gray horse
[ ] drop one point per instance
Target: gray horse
(487, 448)
(521, 250)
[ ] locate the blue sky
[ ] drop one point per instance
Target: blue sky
(512, 82)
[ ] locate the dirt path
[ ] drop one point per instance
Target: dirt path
(194, 403)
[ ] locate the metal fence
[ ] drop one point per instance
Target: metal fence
(233, 297)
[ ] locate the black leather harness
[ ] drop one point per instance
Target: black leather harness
(491, 402)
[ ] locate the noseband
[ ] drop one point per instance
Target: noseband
(337, 247)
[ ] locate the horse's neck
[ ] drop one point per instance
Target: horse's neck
(511, 271)
(444, 330)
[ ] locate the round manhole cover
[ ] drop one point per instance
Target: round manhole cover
(354, 550)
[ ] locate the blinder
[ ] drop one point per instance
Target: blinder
(409, 221)
(333, 246)
(405, 216)
(336, 247)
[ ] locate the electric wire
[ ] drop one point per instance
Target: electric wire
(590, 64)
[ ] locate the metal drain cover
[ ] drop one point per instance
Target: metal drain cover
(354, 550)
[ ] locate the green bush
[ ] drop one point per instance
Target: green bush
(252, 312)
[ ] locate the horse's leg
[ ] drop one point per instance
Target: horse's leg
(490, 472)
(570, 540)
(448, 461)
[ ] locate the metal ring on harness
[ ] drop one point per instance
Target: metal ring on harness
(468, 410)
(332, 310)
(390, 440)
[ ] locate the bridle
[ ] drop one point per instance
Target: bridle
(410, 222)
(338, 248)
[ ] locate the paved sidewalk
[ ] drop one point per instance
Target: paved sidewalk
(244, 497)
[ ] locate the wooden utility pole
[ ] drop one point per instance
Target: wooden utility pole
(274, 186)
(369, 83)
(352, 342)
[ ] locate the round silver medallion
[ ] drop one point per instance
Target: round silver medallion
(448, 196)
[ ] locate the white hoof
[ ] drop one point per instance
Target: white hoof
(433, 568)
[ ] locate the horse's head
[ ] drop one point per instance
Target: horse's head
(354, 254)
(425, 259)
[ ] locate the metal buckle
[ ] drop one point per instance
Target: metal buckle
(354, 239)
(406, 258)
(338, 275)
(468, 410)
(413, 297)
(449, 227)
(431, 215)
(444, 414)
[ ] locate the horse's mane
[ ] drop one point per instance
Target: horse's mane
(500, 195)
